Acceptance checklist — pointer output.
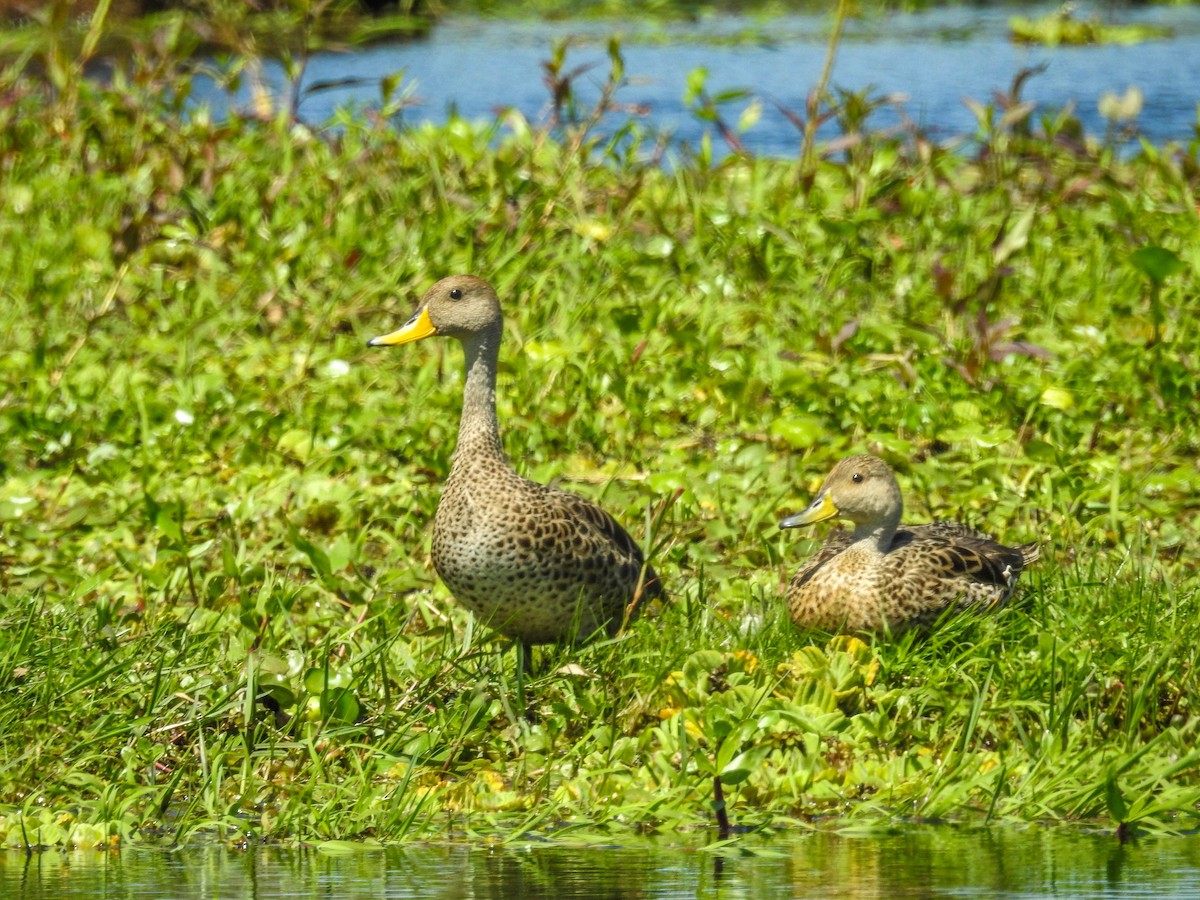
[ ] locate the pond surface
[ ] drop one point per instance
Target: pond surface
(936, 58)
(916, 862)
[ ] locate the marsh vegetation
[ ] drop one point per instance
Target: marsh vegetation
(218, 615)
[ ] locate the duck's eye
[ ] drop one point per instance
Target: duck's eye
(455, 294)
(856, 477)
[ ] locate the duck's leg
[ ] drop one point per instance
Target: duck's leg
(524, 659)
(524, 670)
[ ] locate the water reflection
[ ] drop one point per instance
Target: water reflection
(935, 57)
(916, 862)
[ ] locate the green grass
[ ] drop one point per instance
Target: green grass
(219, 617)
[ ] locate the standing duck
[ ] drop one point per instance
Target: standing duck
(888, 577)
(538, 564)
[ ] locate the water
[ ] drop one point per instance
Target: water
(918, 862)
(936, 58)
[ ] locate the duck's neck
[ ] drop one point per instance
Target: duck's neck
(479, 429)
(877, 536)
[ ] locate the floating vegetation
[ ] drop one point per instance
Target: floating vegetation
(1062, 28)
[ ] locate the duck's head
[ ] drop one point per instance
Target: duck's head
(859, 488)
(459, 306)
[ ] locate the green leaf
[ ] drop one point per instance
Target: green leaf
(750, 115)
(388, 85)
(340, 706)
(316, 556)
(1113, 798)
(1016, 236)
(1041, 451)
(799, 432)
(317, 680)
(278, 689)
(1157, 263)
(743, 765)
(168, 521)
(696, 80)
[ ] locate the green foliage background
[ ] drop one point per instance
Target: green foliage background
(218, 611)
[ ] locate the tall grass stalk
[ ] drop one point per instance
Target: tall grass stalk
(808, 146)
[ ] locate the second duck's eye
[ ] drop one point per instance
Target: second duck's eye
(856, 477)
(455, 294)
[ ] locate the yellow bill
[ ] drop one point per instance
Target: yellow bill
(418, 327)
(819, 510)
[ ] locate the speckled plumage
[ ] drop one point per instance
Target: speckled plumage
(538, 564)
(885, 576)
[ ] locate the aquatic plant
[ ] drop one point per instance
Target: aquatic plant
(1061, 27)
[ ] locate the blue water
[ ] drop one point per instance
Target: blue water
(935, 59)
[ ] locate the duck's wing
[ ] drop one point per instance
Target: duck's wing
(944, 530)
(594, 538)
(934, 569)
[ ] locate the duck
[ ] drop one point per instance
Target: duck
(885, 577)
(537, 564)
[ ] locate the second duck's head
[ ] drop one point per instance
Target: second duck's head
(859, 488)
(459, 306)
